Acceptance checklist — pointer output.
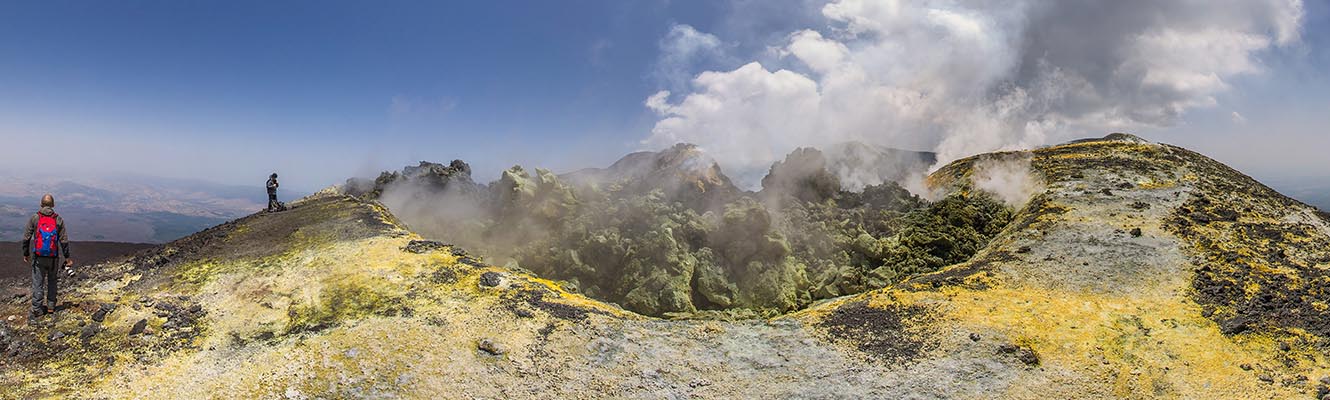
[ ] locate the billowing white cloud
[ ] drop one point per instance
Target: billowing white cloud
(963, 77)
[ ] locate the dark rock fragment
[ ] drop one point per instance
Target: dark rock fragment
(89, 331)
(1234, 325)
(100, 314)
(974, 337)
(1135, 232)
(423, 246)
(490, 347)
(1023, 354)
(138, 327)
(491, 279)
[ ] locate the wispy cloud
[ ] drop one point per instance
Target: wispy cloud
(681, 51)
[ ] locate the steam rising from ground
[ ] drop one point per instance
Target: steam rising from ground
(435, 213)
(1010, 179)
(964, 77)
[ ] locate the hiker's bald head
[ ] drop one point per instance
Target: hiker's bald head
(48, 201)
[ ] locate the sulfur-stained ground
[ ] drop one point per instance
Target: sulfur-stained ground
(1138, 271)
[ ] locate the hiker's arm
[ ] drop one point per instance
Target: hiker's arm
(64, 239)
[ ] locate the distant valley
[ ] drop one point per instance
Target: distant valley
(1313, 191)
(126, 209)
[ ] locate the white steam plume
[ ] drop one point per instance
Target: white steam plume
(964, 77)
(1010, 179)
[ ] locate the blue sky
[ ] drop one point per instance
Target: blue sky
(319, 91)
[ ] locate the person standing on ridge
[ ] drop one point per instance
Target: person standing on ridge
(272, 193)
(44, 241)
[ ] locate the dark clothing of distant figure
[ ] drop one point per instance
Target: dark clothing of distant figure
(272, 194)
(45, 271)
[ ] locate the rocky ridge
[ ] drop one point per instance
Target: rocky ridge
(1137, 270)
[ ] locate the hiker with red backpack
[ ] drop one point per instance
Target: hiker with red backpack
(44, 242)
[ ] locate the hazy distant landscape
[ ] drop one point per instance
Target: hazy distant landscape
(134, 209)
(1313, 191)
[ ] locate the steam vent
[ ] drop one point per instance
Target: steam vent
(1103, 268)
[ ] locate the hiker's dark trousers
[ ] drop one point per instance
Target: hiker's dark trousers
(272, 201)
(45, 273)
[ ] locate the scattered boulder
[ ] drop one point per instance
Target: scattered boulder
(1234, 325)
(1023, 354)
(423, 246)
(974, 337)
(57, 335)
(138, 327)
(1136, 232)
(490, 347)
(102, 311)
(1028, 357)
(89, 331)
(491, 279)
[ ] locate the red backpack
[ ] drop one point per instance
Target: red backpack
(47, 236)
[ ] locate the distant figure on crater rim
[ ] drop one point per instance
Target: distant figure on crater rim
(44, 240)
(273, 204)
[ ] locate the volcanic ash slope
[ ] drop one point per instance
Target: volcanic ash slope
(1135, 270)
